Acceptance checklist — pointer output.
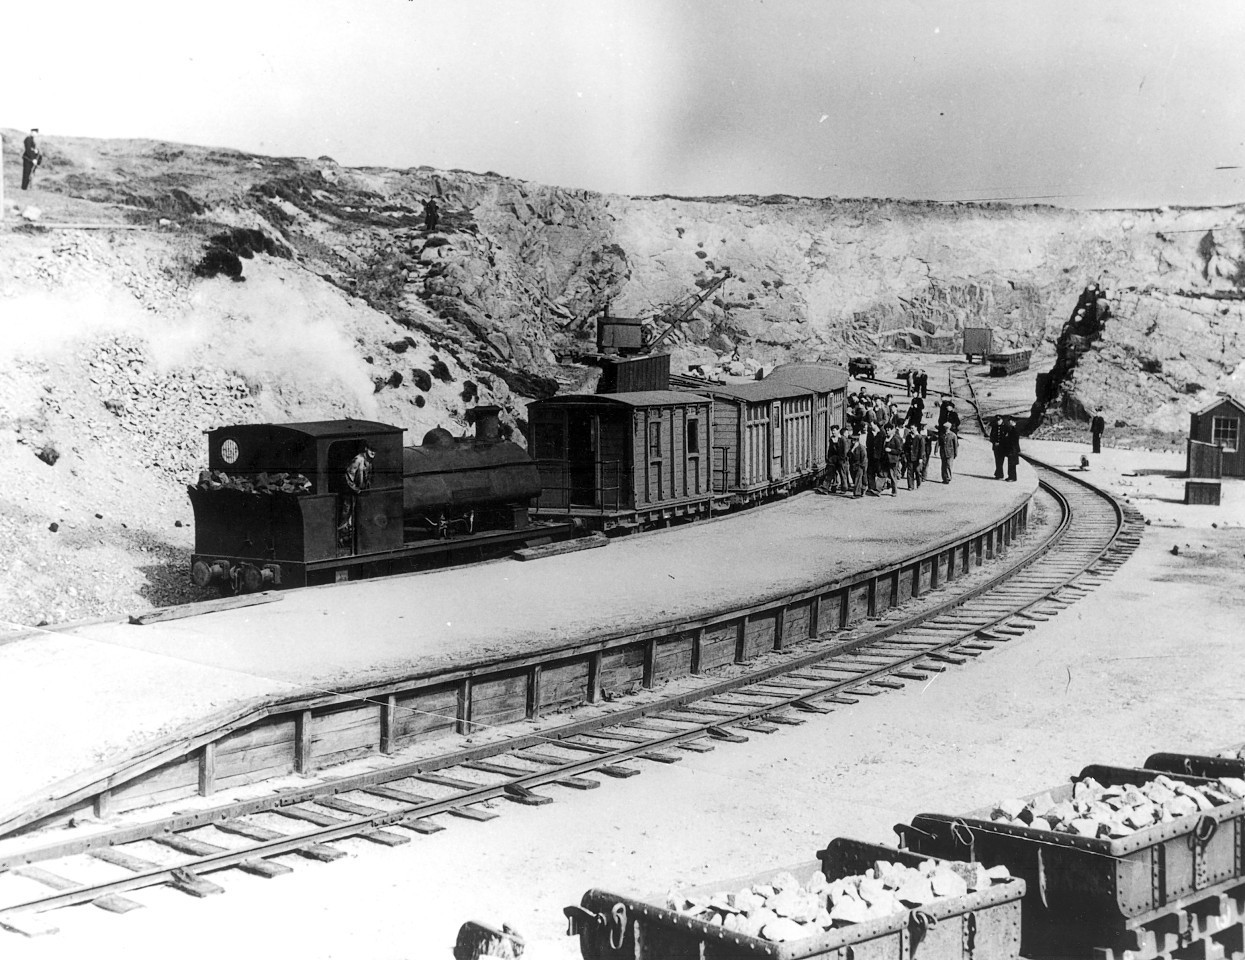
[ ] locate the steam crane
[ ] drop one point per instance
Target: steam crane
(627, 358)
(678, 314)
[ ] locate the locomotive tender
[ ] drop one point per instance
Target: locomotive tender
(274, 508)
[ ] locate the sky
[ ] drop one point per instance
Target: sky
(1110, 103)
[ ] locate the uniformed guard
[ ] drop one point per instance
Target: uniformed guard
(1096, 427)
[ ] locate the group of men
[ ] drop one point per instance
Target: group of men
(880, 447)
(917, 382)
(1005, 442)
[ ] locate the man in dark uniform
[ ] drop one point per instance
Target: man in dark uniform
(836, 461)
(892, 456)
(948, 448)
(913, 454)
(916, 413)
(358, 478)
(1096, 426)
(922, 383)
(432, 214)
(30, 158)
(875, 447)
(1010, 444)
(997, 437)
(947, 414)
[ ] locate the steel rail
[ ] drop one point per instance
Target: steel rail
(830, 647)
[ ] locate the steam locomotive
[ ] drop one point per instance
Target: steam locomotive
(274, 507)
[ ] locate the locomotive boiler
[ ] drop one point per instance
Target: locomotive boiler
(276, 508)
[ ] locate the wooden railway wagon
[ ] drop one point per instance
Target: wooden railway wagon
(1007, 362)
(623, 460)
(763, 440)
(829, 386)
(978, 341)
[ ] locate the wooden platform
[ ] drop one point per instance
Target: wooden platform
(192, 705)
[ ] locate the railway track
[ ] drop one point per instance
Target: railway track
(1088, 537)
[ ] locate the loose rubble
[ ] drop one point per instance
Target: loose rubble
(784, 909)
(1117, 811)
(260, 483)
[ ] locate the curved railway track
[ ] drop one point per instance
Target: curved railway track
(1090, 535)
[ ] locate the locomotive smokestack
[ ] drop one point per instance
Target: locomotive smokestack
(488, 423)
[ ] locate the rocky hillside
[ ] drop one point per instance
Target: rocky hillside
(153, 291)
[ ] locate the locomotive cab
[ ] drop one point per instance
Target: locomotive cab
(275, 500)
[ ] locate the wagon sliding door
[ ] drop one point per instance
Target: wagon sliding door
(797, 452)
(754, 456)
(581, 457)
(776, 441)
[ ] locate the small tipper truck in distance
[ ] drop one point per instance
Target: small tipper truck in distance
(978, 341)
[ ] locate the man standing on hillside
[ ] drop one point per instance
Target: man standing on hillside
(1096, 427)
(432, 213)
(30, 158)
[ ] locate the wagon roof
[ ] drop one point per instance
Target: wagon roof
(1220, 401)
(815, 376)
(758, 390)
(636, 398)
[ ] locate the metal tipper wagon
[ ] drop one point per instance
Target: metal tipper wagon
(984, 924)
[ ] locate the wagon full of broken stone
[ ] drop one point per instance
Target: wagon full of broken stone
(857, 901)
(1119, 862)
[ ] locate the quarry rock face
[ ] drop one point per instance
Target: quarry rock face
(341, 299)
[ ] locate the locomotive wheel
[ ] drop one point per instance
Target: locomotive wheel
(252, 579)
(200, 574)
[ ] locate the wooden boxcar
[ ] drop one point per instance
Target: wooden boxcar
(829, 386)
(624, 460)
(1220, 424)
(763, 439)
(1006, 362)
(978, 341)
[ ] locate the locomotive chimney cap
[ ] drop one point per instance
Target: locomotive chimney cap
(487, 418)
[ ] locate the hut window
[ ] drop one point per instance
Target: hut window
(1224, 431)
(693, 436)
(654, 441)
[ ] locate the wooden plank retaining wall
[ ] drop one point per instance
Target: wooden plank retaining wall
(301, 737)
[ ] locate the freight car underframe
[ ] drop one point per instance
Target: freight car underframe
(248, 576)
(616, 520)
